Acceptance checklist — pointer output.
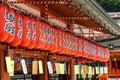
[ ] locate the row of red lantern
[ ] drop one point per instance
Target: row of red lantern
(20, 30)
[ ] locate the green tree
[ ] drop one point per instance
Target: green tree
(110, 5)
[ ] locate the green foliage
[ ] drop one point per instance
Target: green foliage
(110, 5)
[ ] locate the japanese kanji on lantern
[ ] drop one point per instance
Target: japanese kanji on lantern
(7, 29)
(18, 30)
(54, 40)
(94, 51)
(65, 50)
(10, 25)
(68, 52)
(91, 50)
(80, 47)
(26, 32)
(102, 54)
(42, 35)
(3, 24)
(33, 34)
(75, 46)
(98, 53)
(69, 44)
(60, 40)
(47, 36)
(107, 54)
(86, 49)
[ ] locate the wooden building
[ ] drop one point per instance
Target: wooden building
(41, 23)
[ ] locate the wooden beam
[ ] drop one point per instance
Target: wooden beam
(50, 12)
(81, 31)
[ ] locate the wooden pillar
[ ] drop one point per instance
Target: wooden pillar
(110, 65)
(3, 71)
(44, 11)
(44, 76)
(72, 75)
(106, 64)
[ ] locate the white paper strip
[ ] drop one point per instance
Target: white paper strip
(97, 70)
(93, 71)
(34, 67)
(82, 71)
(83, 75)
(24, 67)
(101, 70)
(89, 70)
(76, 69)
(50, 67)
(40, 67)
(12, 73)
(62, 68)
(8, 64)
(105, 70)
(57, 67)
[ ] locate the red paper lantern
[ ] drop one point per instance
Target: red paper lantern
(80, 47)
(64, 40)
(75, 46)
(33, 34)
(60, 40)
(18, 31)
(81, 60)
(98, 53)
(72, 45)
(47, 33)
(74, 42)
(69, 44)
(3, 24)
(107, 52)
(26, 32)
(43, 36)
(86, 49)
(102, 54)
(10, 25)
(39, 43)
(54, 38)
(63, 51)
(93, 51)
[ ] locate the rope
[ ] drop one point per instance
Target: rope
(40, 2)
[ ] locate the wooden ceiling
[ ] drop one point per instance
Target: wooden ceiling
(65, 11)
